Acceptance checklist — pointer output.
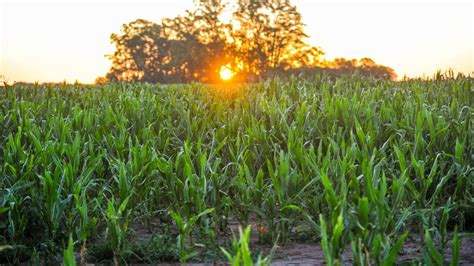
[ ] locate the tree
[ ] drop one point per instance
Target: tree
(180, 49)
(269, 35)
(369, 67)
(365, 66)
(206, 32)
(264, 38)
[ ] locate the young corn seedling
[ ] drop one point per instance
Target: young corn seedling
(332, 241)
(69, 256)
(455, 248)
(431, 254)
(241, 251)
(53, 210)
(86, 226)
(117, 219)
(184, 233)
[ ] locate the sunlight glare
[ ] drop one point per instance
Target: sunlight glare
(226, 73)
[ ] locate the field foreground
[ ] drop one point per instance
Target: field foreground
(364, 171)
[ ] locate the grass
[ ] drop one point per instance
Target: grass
(353, 163)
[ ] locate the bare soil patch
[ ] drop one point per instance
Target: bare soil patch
(296, 253)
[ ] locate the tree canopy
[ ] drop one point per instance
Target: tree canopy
(250, 40)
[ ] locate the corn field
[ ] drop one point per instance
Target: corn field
(357, 165)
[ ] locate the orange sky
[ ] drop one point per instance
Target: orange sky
(67, 40)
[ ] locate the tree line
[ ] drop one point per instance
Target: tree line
(253, 39)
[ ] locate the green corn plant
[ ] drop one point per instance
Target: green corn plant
(455, 248)
(285, 190)
(53, 209)
(241, 251)
(13, 213)
(252, 187)
(69, 256)
(442, 228)
(431, 254)
(390, 255)
(86, 225)
(385, 155)
(331, 241)
(184, 233)
(83, 222)
(117, 219)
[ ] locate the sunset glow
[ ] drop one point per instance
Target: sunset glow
(226, 73)
(51, 41)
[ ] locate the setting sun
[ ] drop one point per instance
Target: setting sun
(226, 73)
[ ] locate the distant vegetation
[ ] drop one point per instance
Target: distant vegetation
(153, 173)
(253, 39)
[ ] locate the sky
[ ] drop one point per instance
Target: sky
(53, 41)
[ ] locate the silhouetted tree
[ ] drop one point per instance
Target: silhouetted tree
(364, 66)
(205, 37)
(268, 35)
(180, 49)
(143, 52)
(264, 38)
(368, 67)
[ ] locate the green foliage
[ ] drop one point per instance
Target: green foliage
(184, 233)
(455, 246)
(241, 250)
(331, 242)
(117, 226)
(69, 257)
(355, 162)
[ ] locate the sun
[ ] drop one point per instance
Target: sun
(226, 73)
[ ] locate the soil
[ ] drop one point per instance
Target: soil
(311, 254)
(295, 253)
